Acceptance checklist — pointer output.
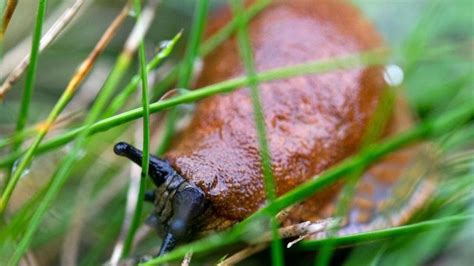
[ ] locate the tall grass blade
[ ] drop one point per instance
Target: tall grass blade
(66, 165)
(259, 118)
(31, 75)
(186, 68)
(146, 140)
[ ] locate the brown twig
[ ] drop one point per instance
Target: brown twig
(86, 66)
(7, 16)
(300, 230)
(46, 40)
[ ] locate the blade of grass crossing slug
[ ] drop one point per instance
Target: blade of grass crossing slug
(373, 132)
(259, 118)
(68, 93)
(225, 32)
(146, 140)
(371, 58)
(186, 68)
(427, 129)
(453, 220)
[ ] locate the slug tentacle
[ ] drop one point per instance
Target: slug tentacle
(159, 169)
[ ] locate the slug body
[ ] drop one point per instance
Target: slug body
(312, 121)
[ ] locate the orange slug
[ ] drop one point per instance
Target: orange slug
(212, 178)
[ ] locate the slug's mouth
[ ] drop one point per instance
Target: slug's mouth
(181, 202)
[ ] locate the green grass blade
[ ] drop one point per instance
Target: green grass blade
(146, 141)
(225, 32)
(391, 232)
(31, 74)
(259, 118)
(186, 69)
(66, 165)
(211, 43)
(375, 57)
(64, 99)
(372, 133)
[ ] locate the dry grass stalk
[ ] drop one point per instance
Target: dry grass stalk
(300, 231)
(86, 66)
(140, 28)
(11, 58)
(7, 16)
(66, 96)
(46, 40)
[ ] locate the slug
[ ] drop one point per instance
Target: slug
(211, 178)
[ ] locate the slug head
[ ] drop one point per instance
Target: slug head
(178, 203)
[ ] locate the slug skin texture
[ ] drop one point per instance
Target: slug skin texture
(312, 121)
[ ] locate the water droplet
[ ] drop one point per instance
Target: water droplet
(15, 167)
(132, 13)
(164, 44)
(393, 75)
(81, 154)
(182, 91)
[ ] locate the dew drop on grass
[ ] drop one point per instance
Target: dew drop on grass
(15, 166)
(164, 44)
(393, 75)
(132, 13)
